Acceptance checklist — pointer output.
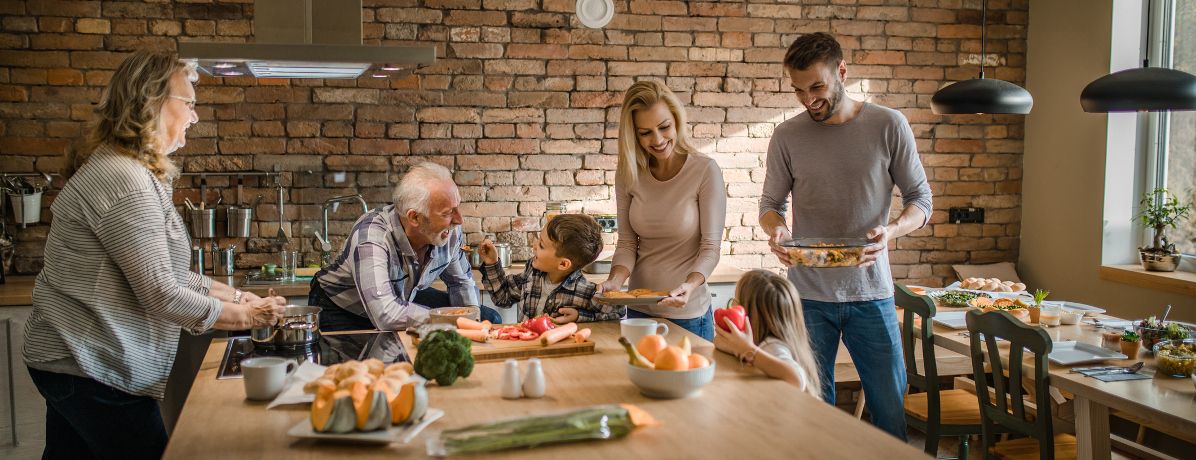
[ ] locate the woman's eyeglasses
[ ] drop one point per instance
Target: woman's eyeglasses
(190, 102)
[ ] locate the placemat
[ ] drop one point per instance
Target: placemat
(1120, 377)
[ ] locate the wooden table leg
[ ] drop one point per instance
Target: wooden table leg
(1092, 430)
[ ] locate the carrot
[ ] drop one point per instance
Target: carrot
(466, 323)
(558, 334)
(582, 335)
(474, 334)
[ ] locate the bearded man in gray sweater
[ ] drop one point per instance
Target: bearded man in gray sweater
(840, 162)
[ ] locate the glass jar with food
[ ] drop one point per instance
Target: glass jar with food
(826, 252)
(1176, 358)
(1110, 339)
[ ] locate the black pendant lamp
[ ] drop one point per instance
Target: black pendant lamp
(982, 95)
(1147, 88)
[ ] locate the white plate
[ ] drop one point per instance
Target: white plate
(952, 319)
(1071, 353)
(595, 13)
(401, 434)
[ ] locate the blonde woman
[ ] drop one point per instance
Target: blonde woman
(672, 208)
(774, 339)
(116, 290)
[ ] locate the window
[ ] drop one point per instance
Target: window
(1175, 163)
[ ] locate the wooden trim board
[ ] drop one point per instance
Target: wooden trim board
(502, 350)
(1178, 282)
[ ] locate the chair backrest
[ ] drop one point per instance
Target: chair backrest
(921, 306)
(1008, 407)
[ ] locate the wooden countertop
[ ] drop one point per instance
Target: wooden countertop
(17, 291)
(741, 414)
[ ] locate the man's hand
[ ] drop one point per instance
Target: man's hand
(610, 285)
(779, 235)
(488, 252)
(880, 242)
(565, 315)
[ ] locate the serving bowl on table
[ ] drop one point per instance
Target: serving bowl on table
(665, 384)
(1176, 358)
(449, 315)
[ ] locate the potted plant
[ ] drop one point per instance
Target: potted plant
(1130, 344)
(1159, 210)
(1036, 309)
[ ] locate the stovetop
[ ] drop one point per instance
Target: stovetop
(331, 348)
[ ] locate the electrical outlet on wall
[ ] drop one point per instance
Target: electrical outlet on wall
(965, 215)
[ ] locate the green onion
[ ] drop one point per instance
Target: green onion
(595, 422)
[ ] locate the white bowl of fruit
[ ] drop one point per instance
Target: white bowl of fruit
(673, 371)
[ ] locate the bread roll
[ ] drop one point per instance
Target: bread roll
(375, 366)
(404, 366)
(313, 386)
(1018, 287)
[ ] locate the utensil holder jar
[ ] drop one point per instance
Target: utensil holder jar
(202, 222)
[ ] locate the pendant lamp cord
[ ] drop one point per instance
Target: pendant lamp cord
(1149, 19)
(983, 35)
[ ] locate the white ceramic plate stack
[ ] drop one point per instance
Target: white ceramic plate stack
(595, 14)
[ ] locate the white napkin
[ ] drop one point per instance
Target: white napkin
(292, 390)
(1113, 323)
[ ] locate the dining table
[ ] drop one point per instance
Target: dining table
(740, 413)
(1161, 400)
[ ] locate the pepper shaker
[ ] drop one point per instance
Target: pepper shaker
(510, 380)
(533, 384)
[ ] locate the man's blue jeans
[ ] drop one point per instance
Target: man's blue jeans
(870, 331)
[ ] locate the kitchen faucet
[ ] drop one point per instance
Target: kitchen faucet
(334, 203)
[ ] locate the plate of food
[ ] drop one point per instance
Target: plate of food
(955, 298)
(993, 285)
(401, 434)
(632, 297)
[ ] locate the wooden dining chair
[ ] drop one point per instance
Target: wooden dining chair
(1005, 407)
(932, 411)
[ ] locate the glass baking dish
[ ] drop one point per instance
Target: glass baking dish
(826, 252)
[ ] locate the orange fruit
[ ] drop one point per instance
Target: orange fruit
(672, 359)
(650, 345)
(697, 361)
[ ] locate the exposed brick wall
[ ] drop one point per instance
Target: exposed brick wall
(523, 105)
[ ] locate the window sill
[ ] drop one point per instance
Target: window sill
(1179, 282)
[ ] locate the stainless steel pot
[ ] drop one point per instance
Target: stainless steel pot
(298, 326)
(504, 254)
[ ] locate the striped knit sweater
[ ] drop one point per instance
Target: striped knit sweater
(116, 289)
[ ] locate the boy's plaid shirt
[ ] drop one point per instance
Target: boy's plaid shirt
(573, 292)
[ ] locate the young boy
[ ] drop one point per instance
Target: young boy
(553, 283)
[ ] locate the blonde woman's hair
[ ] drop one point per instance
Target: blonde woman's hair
(129, 116)
(774, 309)
(642, 95)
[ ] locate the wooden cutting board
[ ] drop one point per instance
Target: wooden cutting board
(501, 350)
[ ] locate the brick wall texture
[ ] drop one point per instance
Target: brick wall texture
(523, 105)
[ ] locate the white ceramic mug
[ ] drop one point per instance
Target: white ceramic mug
(636, 328)
(264, 377)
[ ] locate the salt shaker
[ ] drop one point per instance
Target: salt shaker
(533, 383)
(510, 380)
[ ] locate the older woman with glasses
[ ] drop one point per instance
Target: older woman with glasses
(116, 290)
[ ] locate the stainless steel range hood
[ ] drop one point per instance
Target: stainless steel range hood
(306, 39)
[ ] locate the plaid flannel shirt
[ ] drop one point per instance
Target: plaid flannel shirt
(526, 288)
(377, 273)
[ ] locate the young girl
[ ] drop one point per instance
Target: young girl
(778, 345)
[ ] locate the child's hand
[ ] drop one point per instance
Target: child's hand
(734, 342)
(565, 315)
(487, 251)
(677, 297)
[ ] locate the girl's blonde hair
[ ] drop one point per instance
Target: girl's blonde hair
(774, 309)
(642, 95)
(128, 117)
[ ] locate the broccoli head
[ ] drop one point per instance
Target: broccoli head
(443, 356)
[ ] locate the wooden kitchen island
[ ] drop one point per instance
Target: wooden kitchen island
(741, 414)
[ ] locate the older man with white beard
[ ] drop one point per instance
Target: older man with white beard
(382, 276)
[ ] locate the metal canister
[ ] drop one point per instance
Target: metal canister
(504, 254)
(239, 221)
(197, 259)
(202, 222)
(223, 264)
